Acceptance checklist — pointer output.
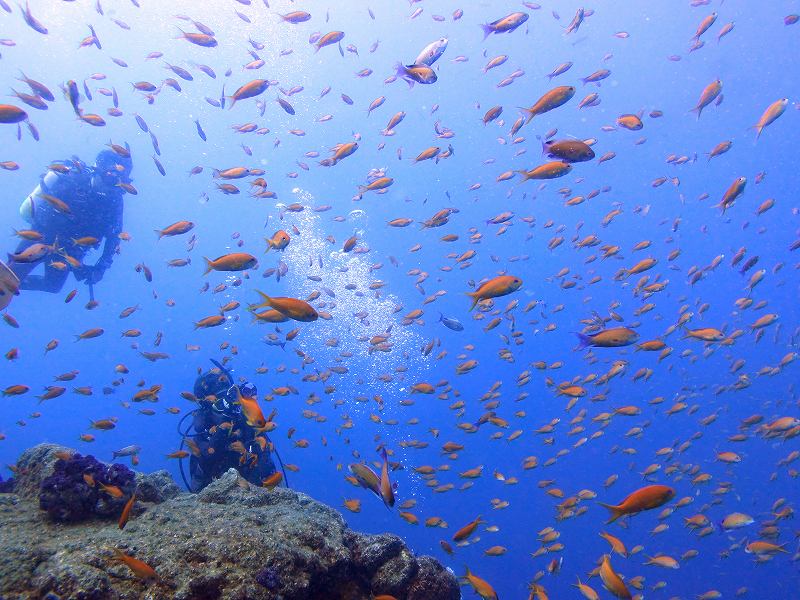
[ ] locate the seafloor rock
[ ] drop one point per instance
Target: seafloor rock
(155, 487)
(228, 542)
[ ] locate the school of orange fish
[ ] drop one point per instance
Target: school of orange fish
(516, 303)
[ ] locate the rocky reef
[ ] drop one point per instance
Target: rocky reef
(229, 542)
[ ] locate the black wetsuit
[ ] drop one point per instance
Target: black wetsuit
(206, 467)
(96, 211)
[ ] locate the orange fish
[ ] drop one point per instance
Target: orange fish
(299, 310)
(494, 288)
(551, 170)
(235, 261)
(387, 492)
(279, 240)
(552, 99)
(126, 512)
(773, 111)
(112, 490)
(612, 581)
(251, 410)
(481, 586)
(735, 190)
(468, 529)
(141, 569)
(178, 454)
(646, 498)
(273, 480)
(175, 229)
(248, 90)
(608, 338)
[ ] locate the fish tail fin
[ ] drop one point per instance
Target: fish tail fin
(475, 299)
(584, 341)
(209, 268)
(529, 112)
(616, 512)
(487, 30)
(267, 301)
(269, 245)
(524, 173)
(159, 233)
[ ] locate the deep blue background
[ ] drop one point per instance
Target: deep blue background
(756, 65)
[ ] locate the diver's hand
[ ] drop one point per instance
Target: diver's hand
(89, 274)
(95, 274)
(82, 273)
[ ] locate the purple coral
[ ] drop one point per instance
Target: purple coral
(268, 577)
(7, 486)
(67, 496)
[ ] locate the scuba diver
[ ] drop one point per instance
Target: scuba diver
(72, 210)
(221, 438)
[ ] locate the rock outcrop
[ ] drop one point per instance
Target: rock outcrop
(229, 542)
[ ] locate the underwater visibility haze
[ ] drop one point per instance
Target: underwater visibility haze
(514, 281)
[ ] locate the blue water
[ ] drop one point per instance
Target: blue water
(756, 64)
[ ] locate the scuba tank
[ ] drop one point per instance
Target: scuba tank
(76, 183)
(26, 210)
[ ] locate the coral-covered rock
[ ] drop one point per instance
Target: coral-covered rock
(7, 486)
(75, 490)
(231, 542)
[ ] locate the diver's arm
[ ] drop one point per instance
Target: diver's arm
(109, 250)
(111, 235)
